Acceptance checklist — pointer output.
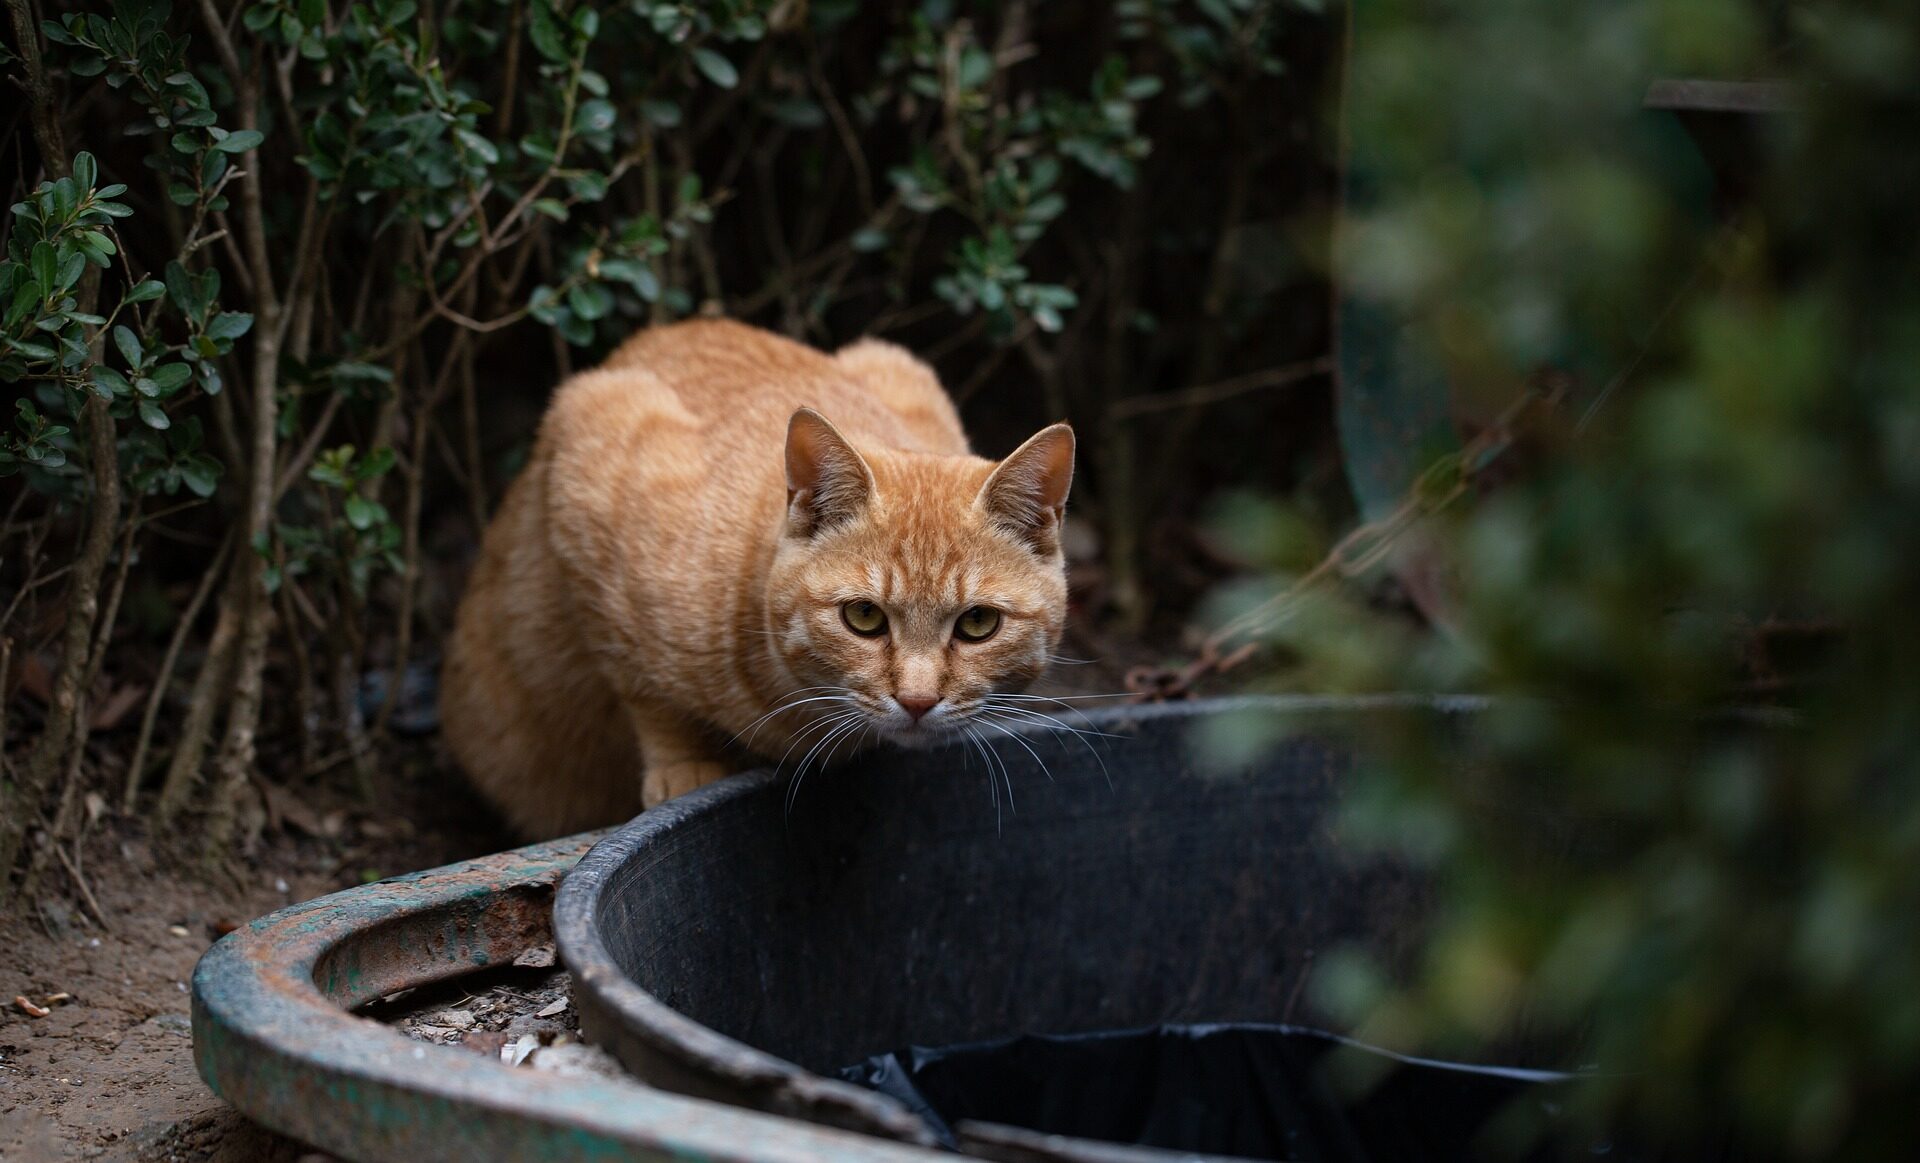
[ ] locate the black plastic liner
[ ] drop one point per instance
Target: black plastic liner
(1246, 1090)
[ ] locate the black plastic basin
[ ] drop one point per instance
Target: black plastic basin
(727, 948)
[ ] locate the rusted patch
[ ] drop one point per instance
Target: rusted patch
(273, 1035)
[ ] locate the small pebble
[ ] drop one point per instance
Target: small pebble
(177, 930)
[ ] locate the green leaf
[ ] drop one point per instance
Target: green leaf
(108, 383)
(33, 351)
(145, 291)
(154, 415)
(544, 30)
(46, 267)
(201, 474)
(362, 513)
(797, 112)
(665, 114)
(716, 68)
(229, 325)
(240, 141)
(172, 377)
(595, 116)
(71, 264)
(587, 186)
(352, 370)
(590, 301)
(84, 170)
(377, 463)
(487, 151)
(184, 289)
(129, 345)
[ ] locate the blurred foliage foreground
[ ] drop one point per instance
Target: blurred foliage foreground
(1688, 567)
(1686, 836)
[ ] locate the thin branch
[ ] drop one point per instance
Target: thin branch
(62, 724)
(235, 762)
(1197, 397)
(181, 629)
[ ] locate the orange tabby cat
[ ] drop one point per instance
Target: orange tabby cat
(728, 541)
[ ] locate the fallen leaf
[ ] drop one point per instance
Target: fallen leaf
(457, 1019)
(285, 809)
(35, 678)
(558, 1006)
(117, 706)
(515, 1052)
(538, 957)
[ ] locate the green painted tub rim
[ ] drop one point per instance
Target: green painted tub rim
(273, 1036)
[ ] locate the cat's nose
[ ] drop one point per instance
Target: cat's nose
(915, 706)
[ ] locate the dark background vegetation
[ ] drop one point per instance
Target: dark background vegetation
(344, 252)
(1625, 431)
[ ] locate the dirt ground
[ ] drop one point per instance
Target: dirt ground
(108, 1072)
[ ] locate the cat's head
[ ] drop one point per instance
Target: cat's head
(912, 586)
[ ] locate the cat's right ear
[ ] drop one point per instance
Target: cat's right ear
(827, 481)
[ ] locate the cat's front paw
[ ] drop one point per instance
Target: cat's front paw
(663, 782)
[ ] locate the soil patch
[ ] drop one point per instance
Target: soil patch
(108, 1072)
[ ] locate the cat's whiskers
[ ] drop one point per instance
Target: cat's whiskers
(830, 723)
(1058, 700)
(844, 724)
(1022, 716)
(986, 761)
(801, 735)
(842, 695)
(987, 721)
(991, 703)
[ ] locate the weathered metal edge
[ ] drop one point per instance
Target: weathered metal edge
(671, 1050)
(668, 1049)
(271, 1037)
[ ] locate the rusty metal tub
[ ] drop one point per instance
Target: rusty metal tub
(727, 946)
(273, 1036)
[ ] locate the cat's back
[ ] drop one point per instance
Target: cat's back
(732, 389)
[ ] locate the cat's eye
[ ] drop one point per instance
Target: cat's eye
(864, 619)
(976, 624)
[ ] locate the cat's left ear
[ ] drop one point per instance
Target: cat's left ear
(1027, 493)
(827, 481)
